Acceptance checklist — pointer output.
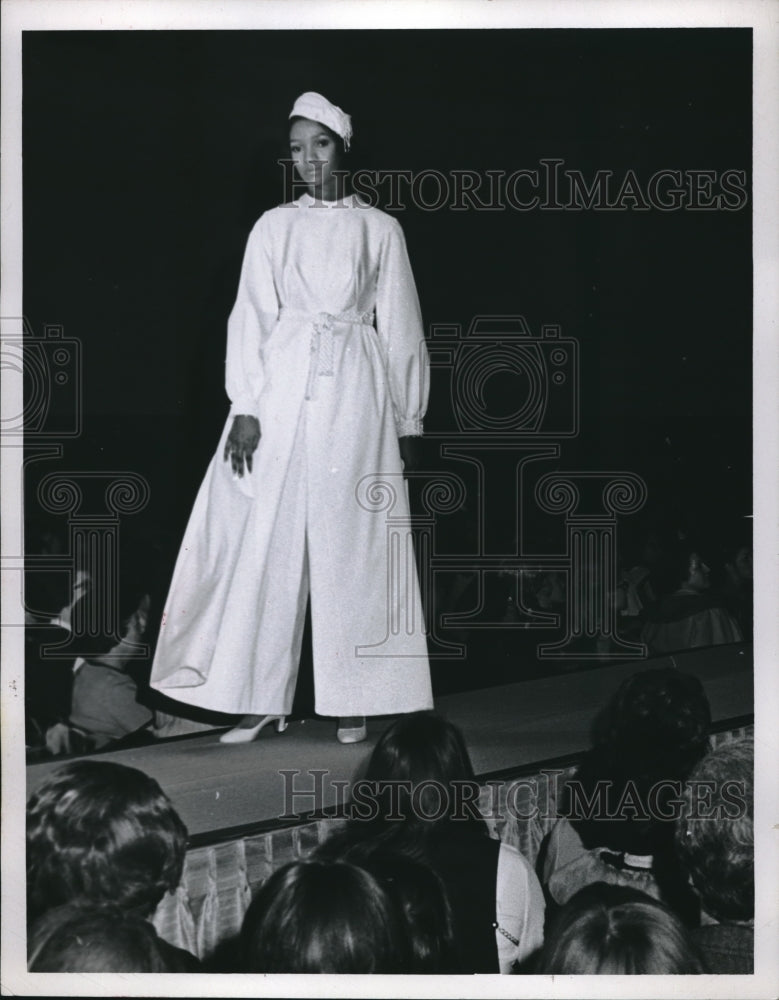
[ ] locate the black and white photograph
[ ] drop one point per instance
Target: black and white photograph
(390, 542)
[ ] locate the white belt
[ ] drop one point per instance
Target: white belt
(321, 361)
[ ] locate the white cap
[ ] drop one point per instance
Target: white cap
(318, 109)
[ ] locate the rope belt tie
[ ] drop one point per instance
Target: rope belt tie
(322, 344)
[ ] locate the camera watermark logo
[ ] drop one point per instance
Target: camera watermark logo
(493, 447)
(545, 376)
(51, 369)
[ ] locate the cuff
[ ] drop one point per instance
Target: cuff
(409, 427)
(244, 406)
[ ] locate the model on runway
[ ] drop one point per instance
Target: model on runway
(327, 375)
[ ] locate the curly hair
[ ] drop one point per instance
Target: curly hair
(716, 843)
(659, 723)
(102, 832)
(614, 930)
(653, 731)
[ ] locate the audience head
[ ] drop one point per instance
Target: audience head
(646, 740)
(657, 724)
(421, 904)
(685, 567)
(737, 563)
(322, 916)
(82, 937)
(418, 747)
(426, 753)
(714, 836)
(102, 832)
(614, 930)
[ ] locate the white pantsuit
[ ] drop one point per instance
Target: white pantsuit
(333, 389)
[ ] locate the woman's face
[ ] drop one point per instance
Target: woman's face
(316, 155)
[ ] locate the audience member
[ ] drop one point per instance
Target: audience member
(422, 788)
(688, 614)
(104, 705)
(89, 937)
(320, 916)
(714, 838)
(614, 930)
(420, 901)
(48, 670)
(616, 813)
(736, 583)
(100, 832)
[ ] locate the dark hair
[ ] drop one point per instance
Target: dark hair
(320, 916)
(659, 722)
(421, 746)
(614, 930)
(654, 729)
(102, 832)
(422, 777)
(717, 848)
(95, 938)
(421, 903)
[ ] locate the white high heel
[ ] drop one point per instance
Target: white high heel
(352, 729)
(247, 734)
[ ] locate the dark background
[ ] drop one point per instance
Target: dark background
(149, 155)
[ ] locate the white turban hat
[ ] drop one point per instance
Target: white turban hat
(318, 109)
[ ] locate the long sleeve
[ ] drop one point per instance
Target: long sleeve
(519, 908)
(399, 325)
(251, 320)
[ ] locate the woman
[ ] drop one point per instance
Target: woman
(613, 930)
(422, 782)
(99, 834)
(617, 811)
(101, 937)
(327, 374)
(322, 917)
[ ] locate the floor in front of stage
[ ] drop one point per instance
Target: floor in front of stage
(219, 788)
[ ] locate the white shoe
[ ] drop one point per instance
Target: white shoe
(247, 734)
(352, 729)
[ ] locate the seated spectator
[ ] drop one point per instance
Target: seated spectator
(104, 708)
(612, 930)
(99, 832)
(421, 794)
(48, 671)
(616, 812)
(714, 838)
(420, 902)
(85, 937)
(736, 584)
(688, 615)
(319, 916)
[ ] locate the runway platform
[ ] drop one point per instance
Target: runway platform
(226, 791)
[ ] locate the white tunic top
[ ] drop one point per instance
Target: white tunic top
(326, 502)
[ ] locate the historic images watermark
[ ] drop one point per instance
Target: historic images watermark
(548, 186)
(535, 797)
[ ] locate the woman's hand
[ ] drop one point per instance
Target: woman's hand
(242, 442)
(410, 453)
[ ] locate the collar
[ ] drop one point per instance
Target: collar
(631, 862)
(307, 201)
